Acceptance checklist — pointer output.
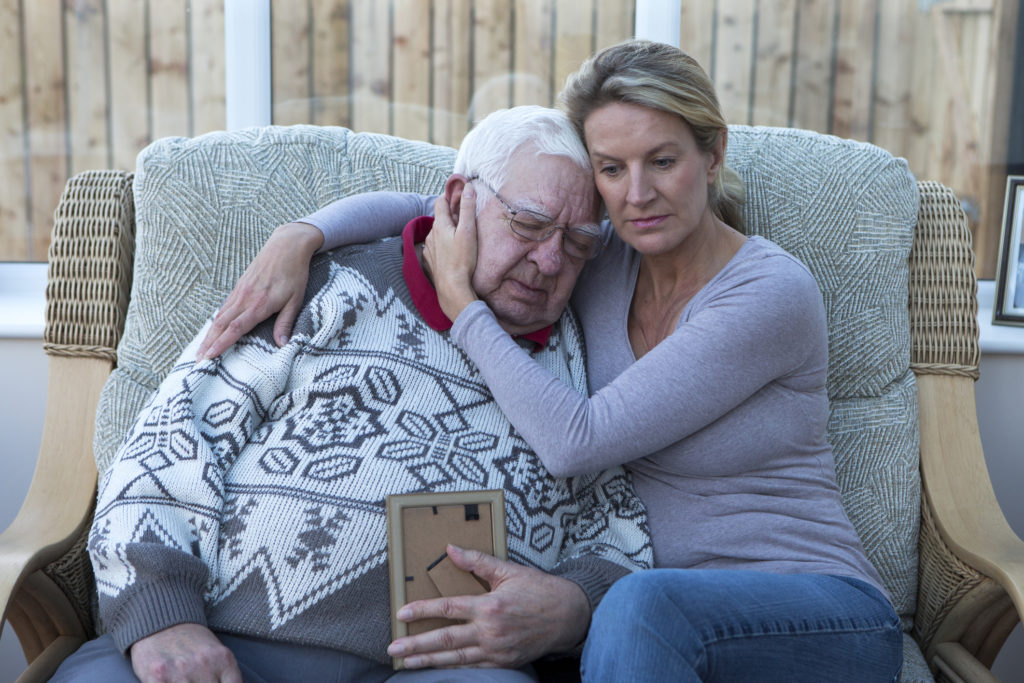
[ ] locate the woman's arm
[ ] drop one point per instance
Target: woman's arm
(765, 322)
(718, 359)
(275, 281)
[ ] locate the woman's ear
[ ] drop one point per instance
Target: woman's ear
(453, 188)
(718, 156)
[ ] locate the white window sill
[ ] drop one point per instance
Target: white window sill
(22, 300)
(996, 339)
(23, 305)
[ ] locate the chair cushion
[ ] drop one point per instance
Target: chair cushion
(915, 669)
(848, 211)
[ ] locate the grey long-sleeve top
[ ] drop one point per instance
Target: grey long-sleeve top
(722, 424)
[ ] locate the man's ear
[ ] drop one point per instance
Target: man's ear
(453, 188)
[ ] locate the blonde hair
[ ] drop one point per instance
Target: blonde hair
(662, 77)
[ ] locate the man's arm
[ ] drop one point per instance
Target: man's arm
(156, 529)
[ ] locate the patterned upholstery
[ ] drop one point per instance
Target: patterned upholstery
(847, 209)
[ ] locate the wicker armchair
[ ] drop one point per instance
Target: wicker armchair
(969, 585)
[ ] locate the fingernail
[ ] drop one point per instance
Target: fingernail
(396, 649)
(282, 340)
(404, 613)
(413, 662)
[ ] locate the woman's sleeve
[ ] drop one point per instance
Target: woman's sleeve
(368, 217)
(746, 337)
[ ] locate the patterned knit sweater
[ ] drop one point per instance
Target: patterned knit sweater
(249, 494)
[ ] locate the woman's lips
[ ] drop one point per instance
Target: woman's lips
(647, 221)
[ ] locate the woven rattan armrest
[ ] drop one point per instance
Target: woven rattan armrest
(42, 591)
(971, 572)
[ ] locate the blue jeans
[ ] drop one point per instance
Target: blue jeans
(722, 625)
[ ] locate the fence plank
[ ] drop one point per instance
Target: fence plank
(87, 85)
(573, 36)
(44, 72)
(855, 50)
(168, 68)
(331, 89)
(15, 228)
(533, 78)
(371, 87)
(615, 22)
(814, 65)
(697, 33)
(411, 92)
(996, 114)
(207, 66)
(734, 58)
(892, 86)
(927, 100)
(129, 102)
(452, 73)
(492, 51)
(290, 68)
(773, 75)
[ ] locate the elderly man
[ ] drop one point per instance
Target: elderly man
(241, 528)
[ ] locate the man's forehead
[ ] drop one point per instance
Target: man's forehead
(552, 186)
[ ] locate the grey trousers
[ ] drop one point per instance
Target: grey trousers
(264, 661)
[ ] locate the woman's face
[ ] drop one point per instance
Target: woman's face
(651, 174)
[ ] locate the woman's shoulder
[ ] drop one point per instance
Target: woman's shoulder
(768, 260)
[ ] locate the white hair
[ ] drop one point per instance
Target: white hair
(489, 147)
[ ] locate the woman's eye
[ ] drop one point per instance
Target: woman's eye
(609, 169)
(664, 162)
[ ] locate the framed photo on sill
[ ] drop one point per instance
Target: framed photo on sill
(1008, 308)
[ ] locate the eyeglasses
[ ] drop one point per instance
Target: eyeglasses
(582, 243)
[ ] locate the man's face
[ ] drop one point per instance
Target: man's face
(527, 284)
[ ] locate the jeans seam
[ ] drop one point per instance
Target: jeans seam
(804, 632)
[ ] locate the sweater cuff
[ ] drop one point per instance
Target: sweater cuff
(592, 574)
(154, 603)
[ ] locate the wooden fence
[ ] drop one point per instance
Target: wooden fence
(88, 83)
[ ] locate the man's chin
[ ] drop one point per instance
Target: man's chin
(520, 325)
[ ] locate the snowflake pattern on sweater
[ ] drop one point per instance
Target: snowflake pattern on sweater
(249, 494)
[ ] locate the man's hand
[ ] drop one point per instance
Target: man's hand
(274, 281)
(527, 614)
(185, 652)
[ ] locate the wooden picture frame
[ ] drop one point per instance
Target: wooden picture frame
(1008, 307)
(420, 527)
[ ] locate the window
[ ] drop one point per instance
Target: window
(93, 81)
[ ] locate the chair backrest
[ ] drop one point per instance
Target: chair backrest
(848, 211)
(204, 207)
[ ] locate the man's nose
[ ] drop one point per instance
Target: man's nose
(548, 255)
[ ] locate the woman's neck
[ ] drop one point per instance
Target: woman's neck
(667, 282)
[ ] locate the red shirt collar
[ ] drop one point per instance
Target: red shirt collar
(424, 296)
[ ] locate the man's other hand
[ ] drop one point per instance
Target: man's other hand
(527, 614)
(184, 652)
